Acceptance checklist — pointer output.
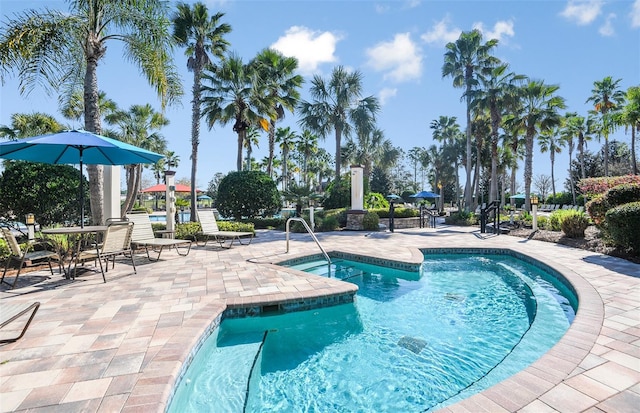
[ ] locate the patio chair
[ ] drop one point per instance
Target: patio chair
(143, 237)
(116, 241)
(16, 253)
(210, 230)
(10, 312)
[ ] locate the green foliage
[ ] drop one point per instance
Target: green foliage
(597, 208)
(397, 212)
(264, 223)
(4, 250)
(623, 223)
(556, 218)
(50, 192)
(340, 216)
(236, 226)
(623, 194)
(543, 222)
(339, 196)
(574, 223)
(328, 223)
(462, 218)
(247, 194)
(187, 230)
(375, 200)
(597, 186)
(561, 198)
(370, 221)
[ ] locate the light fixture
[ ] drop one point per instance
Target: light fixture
(534, 199)
(30, 219)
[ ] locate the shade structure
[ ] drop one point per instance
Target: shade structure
(204, 198)
(76, 147)
(163, 188)
(518, 196)
(425, 195)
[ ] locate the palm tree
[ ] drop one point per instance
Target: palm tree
(307, 145)
(539, 114)
(287, 139)
(335, 103)
(232, 92)
(73, 105)
(203, 37)
(630, 118)
(464, 59)
(549, 141)
(369, 150)
(416, 155)
(171, 160)
(497, 94)
(446, 130)
(61, 50)
(139, 127)
(569, 130)
(251, 139)
(606, 97)
(281, 85)
(24, 125)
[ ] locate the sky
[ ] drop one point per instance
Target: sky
(398, 46)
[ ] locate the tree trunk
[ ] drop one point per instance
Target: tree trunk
(92, 124)
(581, 155)
(272, 146)
(195, 138)
(634, 163)
(553, 179)
(606, 154)
(338, 154)
(495, 124)
(131, 190)
(241, 134)
(528, 168)
(467, 193)
(573, 186)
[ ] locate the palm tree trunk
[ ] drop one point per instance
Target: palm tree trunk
(131, 190)
(606, 154)
(573, 186)
(272, 146)
(467, 188)
(581, 155)
(553, 179)
(195, 137)
(92, 124)
(528, 168)
(338, 153)
(634, 163)
(241, 133)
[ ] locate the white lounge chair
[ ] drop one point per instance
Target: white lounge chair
(143, 237)
(210, 230)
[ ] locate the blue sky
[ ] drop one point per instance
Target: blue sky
(399, 48)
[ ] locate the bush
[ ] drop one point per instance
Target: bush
(264, 223)
(339, 195)
(574, 223)
(370, 221)
(623, 194)
(556, 218)
(375, 200)
(247, 194)
(397, 212)
(544, 222)
(328, 223)
(462, 218)
(597, 209)
(188, 230)
(623, 223)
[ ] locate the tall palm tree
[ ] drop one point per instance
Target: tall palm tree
(232, 93)
(72, 107)
(171, 160)
(307, 145)
(287, 139)
(369, 150)
(570, 129)
(464, 59)
(446, 130)
(629, 117)
(497, 94)
(335, 101)
(281, 84)
(606, 97)
(203, 37)
(551, 142)
(416, 155)
(539, 113)
(251, 139)
(61, 50)
(138, 126)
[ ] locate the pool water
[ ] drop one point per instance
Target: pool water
(412, 342)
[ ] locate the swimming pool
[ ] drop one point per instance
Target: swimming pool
(414, 341)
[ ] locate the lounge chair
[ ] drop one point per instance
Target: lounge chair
(143, 237)
(210, 230)
(16, 253)
(116, 241)
(11, 312)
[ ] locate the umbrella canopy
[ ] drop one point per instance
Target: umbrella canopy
(204, 198)
(518, 196)
(425, 194)
(163, 188)
(393, 198)
(76, 147)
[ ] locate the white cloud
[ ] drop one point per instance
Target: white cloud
(410, 4)
(582, 12)
(385, 94)
(400, 58)
(442, 33)
(607, 28)
(501, 30)
(635, 14)
(381, 8)
(310, 47)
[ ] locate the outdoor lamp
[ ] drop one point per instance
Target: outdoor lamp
(534, 199)
(30, 219)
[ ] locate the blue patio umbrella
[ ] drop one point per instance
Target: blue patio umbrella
(76, 147)
(425, 195)
(204, 198)
(518, 196)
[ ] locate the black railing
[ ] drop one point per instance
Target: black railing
(488, 212)
(427, 217)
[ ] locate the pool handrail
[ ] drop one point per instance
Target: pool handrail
(306, 226)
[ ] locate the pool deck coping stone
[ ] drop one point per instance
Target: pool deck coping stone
(121, 346)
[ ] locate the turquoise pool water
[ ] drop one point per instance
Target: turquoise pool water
(412, 342)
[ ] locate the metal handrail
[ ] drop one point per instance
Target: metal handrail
(306, 226)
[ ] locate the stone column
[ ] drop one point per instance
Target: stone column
(170, 199)
(111, 189)
(355, 216)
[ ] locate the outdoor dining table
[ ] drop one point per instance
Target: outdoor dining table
(76, 236)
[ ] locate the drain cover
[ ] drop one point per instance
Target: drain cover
(412, 344)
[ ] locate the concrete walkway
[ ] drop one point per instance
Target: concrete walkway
(119, 346)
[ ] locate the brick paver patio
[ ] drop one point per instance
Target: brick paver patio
(119, 346)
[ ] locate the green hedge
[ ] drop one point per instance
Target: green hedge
(623, 223)
(397, 212)
(574, 223)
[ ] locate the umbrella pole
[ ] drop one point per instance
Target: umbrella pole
(81, 194)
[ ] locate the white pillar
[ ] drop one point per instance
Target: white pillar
(357, 188)
(111, 187)
(170, 199)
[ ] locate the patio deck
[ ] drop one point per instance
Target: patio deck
(119, 346)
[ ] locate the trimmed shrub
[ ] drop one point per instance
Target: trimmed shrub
(623, 194)
(397, 212)
(188, 230)
(597, 208)
(543, 222)
(623, 223)
(462, 218)
(328, 223)
(556, 218)
(574, 223)
(264, 223)
(596, 186)
(247, 194)
(370, 221)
